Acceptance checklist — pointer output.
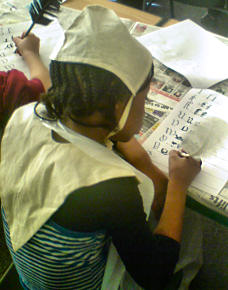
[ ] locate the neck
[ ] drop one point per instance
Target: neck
(97, 134)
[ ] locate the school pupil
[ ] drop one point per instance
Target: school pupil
(79, 189)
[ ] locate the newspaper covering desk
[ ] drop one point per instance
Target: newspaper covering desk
(167, 89)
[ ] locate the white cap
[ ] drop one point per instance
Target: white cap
(98, 37)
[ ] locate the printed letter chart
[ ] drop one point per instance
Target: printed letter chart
(201, 118)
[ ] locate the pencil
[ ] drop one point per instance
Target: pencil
(184, 154)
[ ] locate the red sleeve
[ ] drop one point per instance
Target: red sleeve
(16, 90)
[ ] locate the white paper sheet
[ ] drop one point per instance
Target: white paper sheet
(193, 110)
(190, 50)
(49, 36)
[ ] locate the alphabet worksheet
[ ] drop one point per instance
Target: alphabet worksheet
(199, 125)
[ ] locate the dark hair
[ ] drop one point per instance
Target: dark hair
(78, 90)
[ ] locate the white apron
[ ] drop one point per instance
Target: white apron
(29, 197)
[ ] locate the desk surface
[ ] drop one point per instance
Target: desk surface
(121, 10)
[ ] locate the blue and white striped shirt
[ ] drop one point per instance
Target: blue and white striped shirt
(58, 258)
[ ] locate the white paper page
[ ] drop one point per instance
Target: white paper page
(190, 50)
(195, 109)
(49, 36)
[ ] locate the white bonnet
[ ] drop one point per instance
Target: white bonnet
(98, 37)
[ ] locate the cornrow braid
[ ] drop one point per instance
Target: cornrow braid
(78, 90)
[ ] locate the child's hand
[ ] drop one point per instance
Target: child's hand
(182, 170)
(30, 43)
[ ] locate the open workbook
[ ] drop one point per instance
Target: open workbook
(183, 117)
(198, 124)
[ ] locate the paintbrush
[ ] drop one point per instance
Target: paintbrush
(40, 12)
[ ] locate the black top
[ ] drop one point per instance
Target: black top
(116, 206)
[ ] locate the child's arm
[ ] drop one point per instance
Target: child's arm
(136, 155)
(28, 48)
(170, 195)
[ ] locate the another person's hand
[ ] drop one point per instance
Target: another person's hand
(28, 47)
(30, 44)
(182, 170)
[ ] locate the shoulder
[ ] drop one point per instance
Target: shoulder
(110, 192)
(103, 205)
(19, 83)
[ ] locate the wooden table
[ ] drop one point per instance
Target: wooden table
(120, 9)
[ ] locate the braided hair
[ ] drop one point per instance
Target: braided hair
(78, 90)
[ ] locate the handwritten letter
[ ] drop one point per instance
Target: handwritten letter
(191, 115)
(49, 36)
